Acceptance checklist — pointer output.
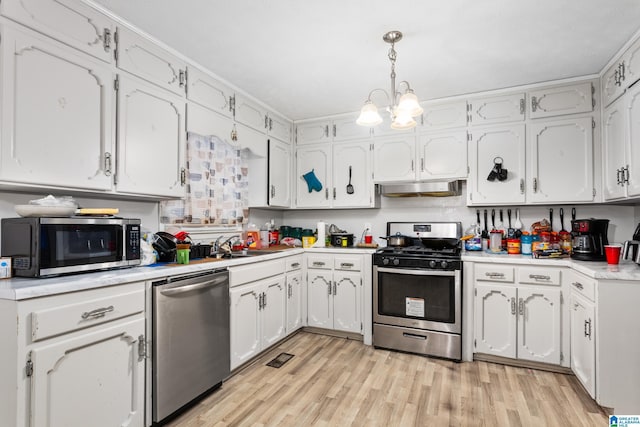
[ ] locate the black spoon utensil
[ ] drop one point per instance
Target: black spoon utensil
(562, 230)
(510, 231)
(485, 232)
(349, 186)
(551, 219)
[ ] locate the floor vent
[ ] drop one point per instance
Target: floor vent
(280, 360)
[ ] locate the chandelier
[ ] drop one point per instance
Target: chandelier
(402, 107)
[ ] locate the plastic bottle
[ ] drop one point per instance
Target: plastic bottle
(253, 237)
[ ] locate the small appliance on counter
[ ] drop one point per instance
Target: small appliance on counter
(589, 237)
(633, 246)
(339, 238)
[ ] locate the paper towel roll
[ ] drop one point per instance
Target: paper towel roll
(322, 230)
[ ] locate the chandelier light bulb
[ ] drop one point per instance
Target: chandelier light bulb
(402, 120)
(369, 115)
(409, 103)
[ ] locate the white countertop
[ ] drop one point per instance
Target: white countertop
(24, 288)
(626, 270)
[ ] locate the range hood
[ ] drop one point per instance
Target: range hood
(422, 189)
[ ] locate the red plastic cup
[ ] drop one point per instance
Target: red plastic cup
(368, 238)
(612, 252)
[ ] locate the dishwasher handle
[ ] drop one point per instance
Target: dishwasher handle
(195, 286)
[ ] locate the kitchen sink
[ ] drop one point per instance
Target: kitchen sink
(249, 253)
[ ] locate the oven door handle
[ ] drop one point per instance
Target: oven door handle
(416, 272)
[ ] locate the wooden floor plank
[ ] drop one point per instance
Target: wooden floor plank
(333, 381)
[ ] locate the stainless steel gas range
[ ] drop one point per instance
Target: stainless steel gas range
(417, 290)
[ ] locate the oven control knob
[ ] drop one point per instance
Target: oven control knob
(444, 264)
(396, 261)
(432, 264)
(385, 261)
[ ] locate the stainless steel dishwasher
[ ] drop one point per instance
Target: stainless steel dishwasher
(190, 339)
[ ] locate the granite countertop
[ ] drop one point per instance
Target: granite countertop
(626, 270)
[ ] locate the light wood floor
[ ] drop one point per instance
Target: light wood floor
(338, 382)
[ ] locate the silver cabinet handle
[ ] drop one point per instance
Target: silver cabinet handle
(621, 74)
(346, 264)
(106, 39)
(326, 131)
(260, 301)
(334, 193)
(97, 313)
(326, 193)
(535, 185)
(534, 103)
(625, 176)
(183, 176)
(618, 178)
(270, 124)
(412, 167)
(521, 185)
(578, 285)
(329, 287)
(266, 122)
(273, 190)
(539, 277)
(521, 105)
(494, 274)
(513, 306)
(318, 263)
(107, 164)
(264, 299)
(587, 328)
(521, 307)
(422, 164)
(616, 77)
(182, 78)
(295, 265)
(289, 292)
(334, 131)
(335, 288)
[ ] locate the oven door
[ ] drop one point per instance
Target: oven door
(421, 299)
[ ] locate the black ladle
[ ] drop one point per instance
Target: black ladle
(349, 186)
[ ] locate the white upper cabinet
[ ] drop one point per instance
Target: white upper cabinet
(208, 92)
(279, 128)
(623, 73)
(69, 21)
(57, 114)
(613, 153)
(279, 174)
(394, 159)
(204, 121)
(632, 167)
(140, 56)
(150, 120)
(352, 166)
(488, 146)
(560, 100)
(250, 113)
(317, 159)
(442, 155)
(612, 86)
(345, 128)
(440, 115)
(560, 157)
(497, 109)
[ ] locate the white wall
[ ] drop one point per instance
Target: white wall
(623, 219)
(147, 211)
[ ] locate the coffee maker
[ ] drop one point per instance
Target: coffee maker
(633, 246)
(589, 236)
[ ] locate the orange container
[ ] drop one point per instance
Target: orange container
(513, 246)
(253, 239)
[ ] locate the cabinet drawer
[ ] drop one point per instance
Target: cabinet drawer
(62, 319)
(324, 262)
(294, 263)
(252, 272)
(539, 276)
(494, 273)
(347, 263)
(583, 285)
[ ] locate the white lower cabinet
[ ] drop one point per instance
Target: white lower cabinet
(80, 358)
(295, 293)
(583, 341)
(334, 294)
(516, 318)
(258, 317)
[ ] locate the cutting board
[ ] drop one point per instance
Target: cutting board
(97, 211)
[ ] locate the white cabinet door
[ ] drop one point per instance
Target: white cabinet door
(346, 128)
(208, 92)
(204, 121)
(632, 119)
(613, 152)
(561, 161)
(316, 158)
(312, 132)
(274, 311)
(352, 164)
(150, 120)
(279, 174)
(612, 86)
(347, 301)
(69, 21)
(442, 155)
(250, 113)
(280, 128)
(630, 70)
(539, 324)
(94, 379)
(583, 349)
(556, 101)
(394, 159)
(319, 299)
(294, 301)
(245, 323)
(140, 56)
(486, 146)
(497, 109)
(57, 114)
(495, 320)
(443, 115)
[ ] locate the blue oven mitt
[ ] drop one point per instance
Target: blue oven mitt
(312, 181)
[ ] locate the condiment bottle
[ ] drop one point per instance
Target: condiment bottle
(525, 243)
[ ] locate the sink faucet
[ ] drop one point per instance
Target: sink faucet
(225, 245)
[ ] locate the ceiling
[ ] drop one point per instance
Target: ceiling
(309, 59)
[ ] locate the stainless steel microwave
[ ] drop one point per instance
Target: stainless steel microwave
(51, 246)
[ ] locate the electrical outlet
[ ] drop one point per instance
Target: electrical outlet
(367, 226)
